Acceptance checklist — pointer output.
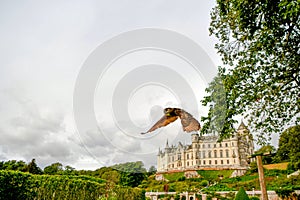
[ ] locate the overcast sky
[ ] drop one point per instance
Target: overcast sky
(44, 45)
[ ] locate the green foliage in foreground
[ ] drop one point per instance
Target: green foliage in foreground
(19, 185)
(241, 195)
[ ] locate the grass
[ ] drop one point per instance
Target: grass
(280, 166)
(211, 175)
(174, 176)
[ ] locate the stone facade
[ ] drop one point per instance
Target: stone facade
(206, 152)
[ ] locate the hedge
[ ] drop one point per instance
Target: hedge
(18, 185)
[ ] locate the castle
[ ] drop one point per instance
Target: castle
(206, 152)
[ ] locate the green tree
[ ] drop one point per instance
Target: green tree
(259, 46)
(152, 170)
(15, 165)
(268, 159)
(55, 168)
(132, 173)
(241, 195)
(220, 115)
(134, 167)
(289, 148)
(131, 179)
(33, 168)
(69, 170)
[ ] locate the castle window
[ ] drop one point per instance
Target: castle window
(208, 145)
(187, 163)
(221, 153)
(203, 154)
(227, 161)
(210, 162)
(215, 154)
(227, 153)
(179, 156)
(187, 156)
(209, 154)
(220, 144)
(216, 162)
(226, 145)
(203, 162)
(203, 146)
(215, 145)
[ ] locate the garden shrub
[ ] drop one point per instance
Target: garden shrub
(241, 195)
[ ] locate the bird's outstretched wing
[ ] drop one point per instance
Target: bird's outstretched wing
(189, 123)
(164, 121)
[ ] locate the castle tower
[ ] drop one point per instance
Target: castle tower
(245, 144)
(195, 138)
(167, 148)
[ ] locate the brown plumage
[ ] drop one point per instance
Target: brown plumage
(189, 123)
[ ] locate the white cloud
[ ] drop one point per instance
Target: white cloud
(43, 46)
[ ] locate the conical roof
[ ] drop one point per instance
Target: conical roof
(242, 126)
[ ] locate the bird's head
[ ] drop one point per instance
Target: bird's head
(168, 111)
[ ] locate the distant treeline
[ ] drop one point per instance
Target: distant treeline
(125, 174)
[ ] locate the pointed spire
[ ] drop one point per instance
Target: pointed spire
(180, 145)
(242, 125)
(167, 144)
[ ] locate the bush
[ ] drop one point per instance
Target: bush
(284, 192)
(241, 195)
(19, 185)
(16, 185)
(204, 183)
(182, 178)
(254, 198)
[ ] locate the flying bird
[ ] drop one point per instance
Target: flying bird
(189, 123)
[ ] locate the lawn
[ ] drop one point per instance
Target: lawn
(280, 166)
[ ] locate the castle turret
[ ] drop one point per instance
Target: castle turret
(167, 148)
(195, 138)
(245, 143)
(242, 129)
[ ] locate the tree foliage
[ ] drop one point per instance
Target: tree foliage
(266, 149)
(132, 173)
(221, 107)
(241, 195)
(33, 168)
(289, 148)
(259, 46)
(152, 170)
(13, 165)
(55, 168)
